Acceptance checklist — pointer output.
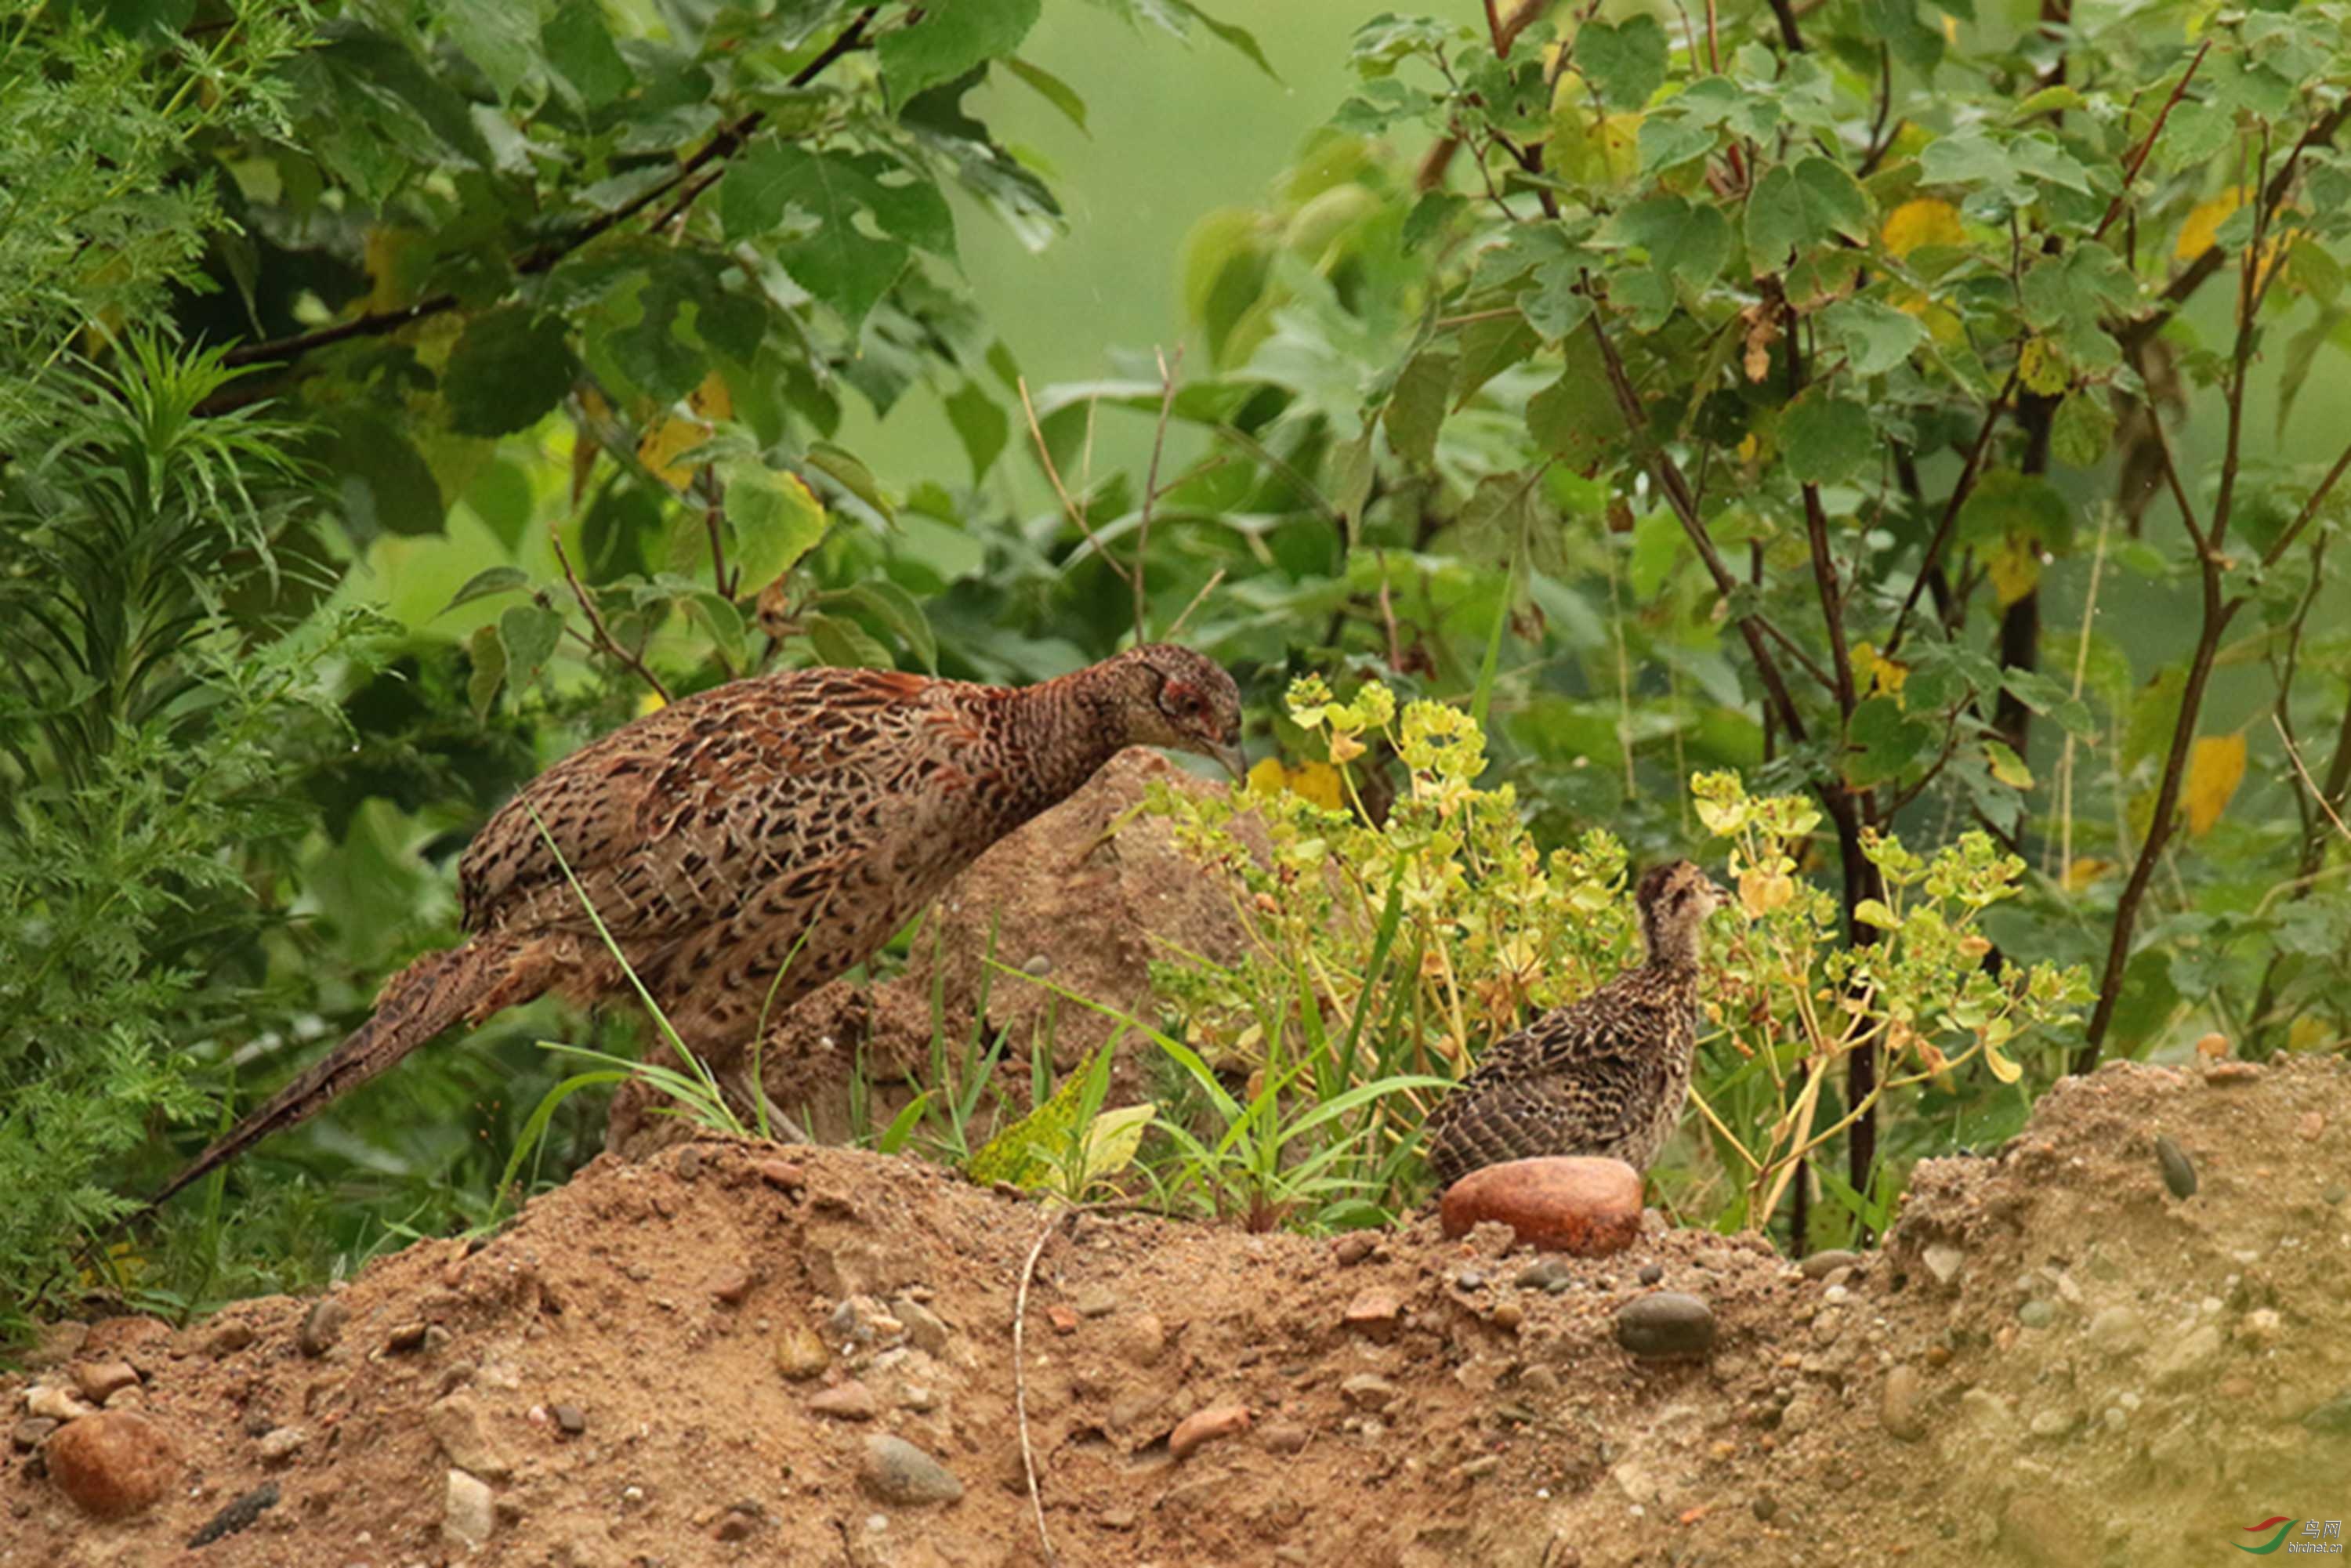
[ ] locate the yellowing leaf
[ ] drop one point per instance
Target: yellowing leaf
(1318, 782)
(2041, 367)
(2007, 765)
(1923, 221)
(1268, 777)
(1887, 674)
(2004, 1070)
(661, 446)
(1871, 911)
(713, 399)
(2216, 765)
(1111, 1138)
(2305, 1033)
(1344, 747)
(650, 702)
(2086, 869)
(2015, 569)
(1761, 892)
(2203, 223)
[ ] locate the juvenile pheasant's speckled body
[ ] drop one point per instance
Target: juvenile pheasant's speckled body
(1606, 1075)
(784, 825)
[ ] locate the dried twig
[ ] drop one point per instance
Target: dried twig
(2138, 157)
(604, 638)
(1197, 600)
(1020, 1370)
(2293, 754)
(1053, 474)
(1167, 375)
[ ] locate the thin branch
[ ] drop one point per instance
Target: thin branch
(2309, 509)
(2293, 754)
(1962, 488)
(1789, 33)
(2138, 158)
(543, 258)
(1076, 513)
(1167, 375)
(1197, 600)
(1020, 1378)
(604, 638)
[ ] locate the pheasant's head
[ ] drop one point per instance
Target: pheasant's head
(1674, 900)
(1172, 696)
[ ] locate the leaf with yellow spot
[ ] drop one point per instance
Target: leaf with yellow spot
(2041, 367)
(1887, 675)
(2203, 223)
(2216, 765)
(2014, 568)
(662, 446)
(398, 260)
(1925, 221)
(2305, 1033)
(1344, 747)
(713, 399)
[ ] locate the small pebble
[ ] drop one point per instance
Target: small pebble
(111, 1464)
(1550, 1274)
(468, 1510)
(237, 1516)
(1651, 1273)
(2036, 1315)
(850, 1401)
(569, 1419)
(1666, 1323)
(896, 1471)
(323, 1326)
(281, 1444)
(2179, 1170)
(801, 1353)
(1352, 1249)
(1205, 1426)
(1822, 1264)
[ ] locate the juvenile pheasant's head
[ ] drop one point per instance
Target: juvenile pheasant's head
(1162, 695)
(1674, 900)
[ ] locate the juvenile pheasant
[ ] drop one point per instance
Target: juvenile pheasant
(1606, 1075)
(784, 825)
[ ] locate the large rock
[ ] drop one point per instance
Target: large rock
(111, 1464)
(1078, 895)
(1589, 1207)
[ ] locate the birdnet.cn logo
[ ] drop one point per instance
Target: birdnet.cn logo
(2294, 1535)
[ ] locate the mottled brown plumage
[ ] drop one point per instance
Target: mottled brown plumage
(1606, 1075)
(785, 825)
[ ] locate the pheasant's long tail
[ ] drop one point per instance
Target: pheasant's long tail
(424, 999)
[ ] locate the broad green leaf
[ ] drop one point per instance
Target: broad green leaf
(580, 48)
(1967, 157)
(1827, 439)
(1416, 407)
(489, 672)
(947, 38)
(849, 470)
(1576, 419)
(842, 642)
(530, 633)
(1668, 141)
(1689, 240)
(847, 268)
(509, 370)
(1624, 60)
(2082, 432)
(1875, 336)
(898, 610)
(1795, 207)
(497, 39)
(981, 424)
(776, 520)
(487, 582)
(1884, 743)
(2007, 504)
(1050, 88)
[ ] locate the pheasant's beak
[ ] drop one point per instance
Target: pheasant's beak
(1235, 763)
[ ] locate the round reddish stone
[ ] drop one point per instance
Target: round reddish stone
(1589, 1207)
(112, 1465)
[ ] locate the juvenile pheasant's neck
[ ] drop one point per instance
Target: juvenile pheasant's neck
(1672, 945)
(1058, 733)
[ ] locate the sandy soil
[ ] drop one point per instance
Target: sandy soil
(686, 1361)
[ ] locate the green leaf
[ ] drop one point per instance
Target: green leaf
(1795, 208)
(487, 582)
(1491, 346)
(1576, 418)
(843, 266)
(384, 483)
(1875, 336)
(897, 609)
(497, 39)
(1050, 88)
(725, 624)
(951, 36)
(1872, 911)
(1967, 157)
(1626, 60)
(1667, 143)
(844, 644)
(849, 470)
(776, 520)
(530, 633)
(1884, 742)
(1235, 37)
(2082, 432)
(1826, 439)
(580, 48)
(1690, 240)
(489, 673)
(1416, 408)
(981, 424)
(509, 371)
(2006, 504)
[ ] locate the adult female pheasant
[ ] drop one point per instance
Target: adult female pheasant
(1606, 1075)
(744, 845)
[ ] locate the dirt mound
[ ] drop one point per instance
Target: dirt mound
(1088, 893)
(701, 1359)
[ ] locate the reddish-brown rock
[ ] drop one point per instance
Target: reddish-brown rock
(1589, 1207)
(1206, 1427)
(112, 1465)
